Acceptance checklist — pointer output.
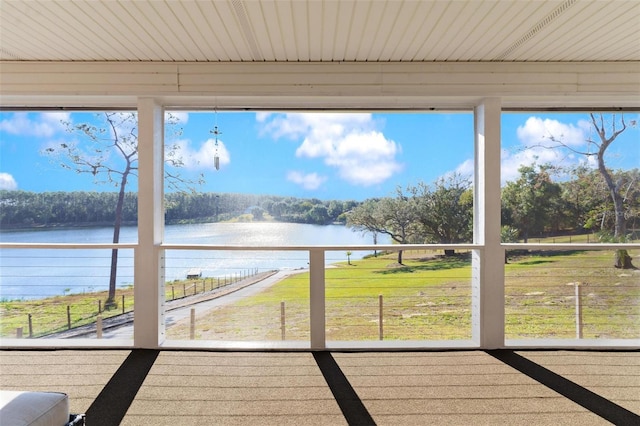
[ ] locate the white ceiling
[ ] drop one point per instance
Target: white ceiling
(320, 30)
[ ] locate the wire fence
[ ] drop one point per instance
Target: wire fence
(549, 294)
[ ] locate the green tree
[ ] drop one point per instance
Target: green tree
(257, 213)
(585, 199)
(335, 209)
(530, 200)
(318, 214)
(366, 217)
(446, 211)
(392, 216)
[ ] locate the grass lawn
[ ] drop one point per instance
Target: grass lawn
(49, 315)
(540, 296)
(427, 298)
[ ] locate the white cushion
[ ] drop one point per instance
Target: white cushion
(19, 408)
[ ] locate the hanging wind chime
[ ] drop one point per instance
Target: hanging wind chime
(216, 132)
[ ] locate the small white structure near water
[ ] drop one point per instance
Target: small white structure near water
(194, 273)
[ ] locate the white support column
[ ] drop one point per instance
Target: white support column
(488, 263)
(317, 299)
(149, 285)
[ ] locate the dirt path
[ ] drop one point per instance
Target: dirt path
(122, 325)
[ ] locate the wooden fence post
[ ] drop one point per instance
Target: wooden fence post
(68, 317)
(30, 326)
(380, 317)
(123, 303)
(99, 327)
(192, 328)
(282, 320)
(578, 286)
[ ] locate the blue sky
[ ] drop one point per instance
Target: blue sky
(321, 155)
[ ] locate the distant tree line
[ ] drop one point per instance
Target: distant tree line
(29, 209)
(536, 205)
(22, 209)
(532, 205)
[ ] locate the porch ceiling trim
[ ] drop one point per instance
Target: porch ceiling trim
(319, 85)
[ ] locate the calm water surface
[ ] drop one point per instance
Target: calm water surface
(35, 273)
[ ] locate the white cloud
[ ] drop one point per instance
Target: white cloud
(262, 116)
(465, 169)
(347, 142)
(201, 158)
(298, 125)
(45, 124)
(308, 181)
(511, 162)
(361, 158)
(537, 131)
(536, 145)
(8, 182)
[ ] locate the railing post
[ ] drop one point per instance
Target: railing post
(578, 292)
(192, 327)
(317, 299)
(487, 286)
(99, 327)
(282, 321)
(380, 317)
(149, 288)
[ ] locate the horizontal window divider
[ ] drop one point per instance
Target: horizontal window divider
(379, 247)
(68, 246)
(570, 246)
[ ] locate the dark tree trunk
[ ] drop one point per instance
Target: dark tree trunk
(116, 239)
(623, 260)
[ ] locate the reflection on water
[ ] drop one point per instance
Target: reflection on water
(34, 273)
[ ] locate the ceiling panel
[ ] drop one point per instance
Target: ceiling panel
(406, 26)
(277, 35)
(355, 40)
(225, 43)
(320, 30)
(470, 18)
(121, 25)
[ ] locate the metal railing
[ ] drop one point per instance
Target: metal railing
(554, 295)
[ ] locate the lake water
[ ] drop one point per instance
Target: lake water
(37, 273)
